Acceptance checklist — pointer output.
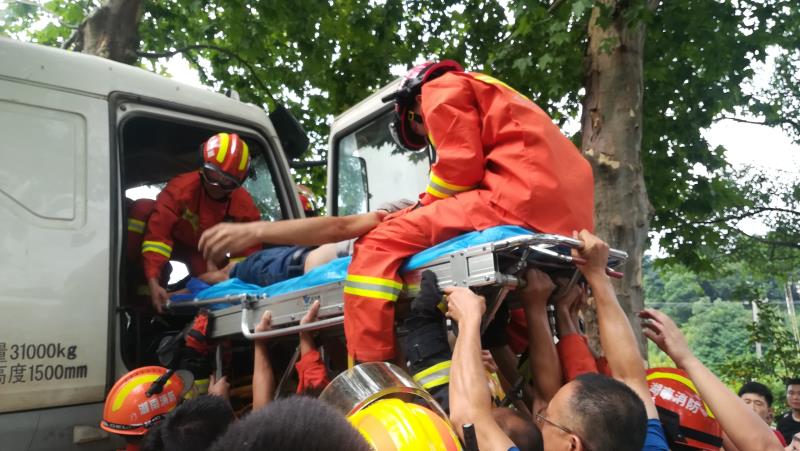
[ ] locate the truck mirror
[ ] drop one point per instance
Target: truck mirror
(291, 134)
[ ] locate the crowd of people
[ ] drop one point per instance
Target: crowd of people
(522, 380)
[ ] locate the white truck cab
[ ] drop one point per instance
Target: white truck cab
(78, 133)
(365, 166)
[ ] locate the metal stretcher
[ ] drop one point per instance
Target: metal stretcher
(493, 268)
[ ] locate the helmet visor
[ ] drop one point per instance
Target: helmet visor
(395, 130)
(215, 177)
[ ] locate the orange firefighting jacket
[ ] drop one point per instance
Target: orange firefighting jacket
(183, 211)
(489, 137)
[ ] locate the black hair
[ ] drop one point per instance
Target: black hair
(757, 388)
(294, 423)
(610, 414)
(792, 381)
(195, 424)
(521, 430)
(152, 439)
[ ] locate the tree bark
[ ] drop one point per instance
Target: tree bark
(612, 140)
(112, 31)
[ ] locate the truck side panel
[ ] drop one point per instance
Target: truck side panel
(54, 236)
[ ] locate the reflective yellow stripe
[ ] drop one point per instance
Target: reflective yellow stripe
(224, 140)
(685, 381)
(451, 186)
(135, 225)
(436, 382)
(430, 139)
(432, 369)
(493, 81)
(370, 293)
(434, 376)
(375, 281)
(245, 156)
(158, 247)
(237, 259)
(434, 192)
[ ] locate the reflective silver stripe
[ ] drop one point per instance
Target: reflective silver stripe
(442, 189)
(439, 376)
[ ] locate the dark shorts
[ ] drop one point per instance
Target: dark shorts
(272, 265)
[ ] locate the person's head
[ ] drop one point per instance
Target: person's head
(522, 431)
(793, 393)
(687, 422)
(226, 163)
(759, 398)
(195, 424)
(141, 399)
(297, 422)
(408, 128)
(594, 413)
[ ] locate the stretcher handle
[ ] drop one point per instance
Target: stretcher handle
(308, 327)
(227, 299)
(574, 260)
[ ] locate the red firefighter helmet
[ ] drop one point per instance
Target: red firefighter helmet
(227, 155)
(405, 98)
(688, 422)
(135, 402)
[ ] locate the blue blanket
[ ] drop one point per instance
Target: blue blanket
(336, 270)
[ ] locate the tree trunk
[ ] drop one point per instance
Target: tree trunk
(112, 31)
(612, 141)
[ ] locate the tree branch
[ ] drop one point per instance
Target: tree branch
(767, 123)
(230, 53)
(788, 244)
(747, 215)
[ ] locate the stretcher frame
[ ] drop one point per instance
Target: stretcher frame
(494, 264)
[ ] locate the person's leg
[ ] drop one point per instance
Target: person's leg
(271, 265)
(426, 344)
(320, 256)
(373, 283)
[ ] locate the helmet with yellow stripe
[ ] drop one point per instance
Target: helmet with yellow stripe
(226, 154)
(140, 399)
(688, 422)
(394, 425)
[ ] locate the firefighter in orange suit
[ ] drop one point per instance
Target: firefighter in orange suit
(500, 160)
(194, 202)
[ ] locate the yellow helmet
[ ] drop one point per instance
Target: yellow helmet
(393, 425)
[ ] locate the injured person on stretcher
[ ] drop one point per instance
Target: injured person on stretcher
(293, 251)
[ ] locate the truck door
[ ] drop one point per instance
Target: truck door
(365, 166)
(54, 271)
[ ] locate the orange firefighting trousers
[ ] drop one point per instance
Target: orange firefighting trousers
(373, 283)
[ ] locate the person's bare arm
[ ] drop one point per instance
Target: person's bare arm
(567, 307)
(543, 355)
(306, 339)
(263, 377)
(744, 428)
(616, 334)
(470, 400)
(231, 238)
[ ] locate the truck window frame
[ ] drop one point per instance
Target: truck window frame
(282, 180)
(333, 173)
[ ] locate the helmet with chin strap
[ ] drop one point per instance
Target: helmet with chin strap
(405, 98)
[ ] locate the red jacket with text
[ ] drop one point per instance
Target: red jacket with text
(183, 211)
